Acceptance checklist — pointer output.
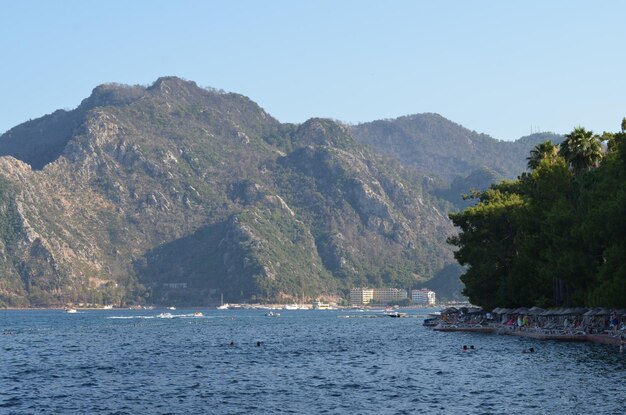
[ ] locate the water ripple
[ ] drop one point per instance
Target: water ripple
(307, 362)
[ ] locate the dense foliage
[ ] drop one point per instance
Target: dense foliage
(554, 236)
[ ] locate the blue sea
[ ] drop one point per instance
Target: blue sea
(308, 362)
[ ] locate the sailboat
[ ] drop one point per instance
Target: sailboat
(223, 306)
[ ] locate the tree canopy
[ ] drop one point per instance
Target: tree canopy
(556, 236)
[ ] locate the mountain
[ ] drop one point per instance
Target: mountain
(440, 148)
(455, 160)
(176, 194)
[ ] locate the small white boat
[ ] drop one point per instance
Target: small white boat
(165, 315)
(292, 307)
(222, 305)
(198, 314)
(272, 314)
(171, 308)
(70, 310)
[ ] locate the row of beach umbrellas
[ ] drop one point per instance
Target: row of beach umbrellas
(577, 311)
(537, 311)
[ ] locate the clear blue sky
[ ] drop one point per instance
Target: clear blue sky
(497, 67)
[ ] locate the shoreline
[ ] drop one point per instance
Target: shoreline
(607, 339)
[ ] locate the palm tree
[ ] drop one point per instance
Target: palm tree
(582, 150)
(545, 150)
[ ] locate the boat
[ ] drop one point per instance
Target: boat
(198, 314)
(318, 305)
(171, 308)
(431, 321)
(70, 310)
(292, 307)
(272, 314)
(396, 314)
(223, 306)
(165, 315)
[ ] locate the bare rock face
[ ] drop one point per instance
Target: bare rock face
(141, 191)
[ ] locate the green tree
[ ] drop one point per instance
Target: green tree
(582, 150)
(487, 244)
(555, 236)
(545, 150)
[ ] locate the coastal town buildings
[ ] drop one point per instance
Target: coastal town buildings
(423, 296)
(364, 296)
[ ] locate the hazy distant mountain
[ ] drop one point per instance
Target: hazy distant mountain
(443, 149)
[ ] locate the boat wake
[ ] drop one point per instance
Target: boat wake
(162, 315)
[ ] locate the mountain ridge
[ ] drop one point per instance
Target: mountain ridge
(107, 203)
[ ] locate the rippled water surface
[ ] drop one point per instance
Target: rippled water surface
(309, 362)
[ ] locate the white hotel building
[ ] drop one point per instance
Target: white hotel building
(365, 296)
(423, 297)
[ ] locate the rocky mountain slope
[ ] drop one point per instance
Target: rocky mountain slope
(439, 147)
(453, 159)
(174, 193)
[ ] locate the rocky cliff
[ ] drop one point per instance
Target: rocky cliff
(178, 193)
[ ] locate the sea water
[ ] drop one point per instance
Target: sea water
(306, 362)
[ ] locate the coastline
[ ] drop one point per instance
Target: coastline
(607, 339)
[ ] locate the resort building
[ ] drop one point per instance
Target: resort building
(423, 297)
(364, 296)
(361, 296)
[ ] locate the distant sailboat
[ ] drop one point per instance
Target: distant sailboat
(223, 306)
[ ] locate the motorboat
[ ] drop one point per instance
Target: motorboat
(70, 310)
(198, 314)
(272, 314)
(431, 321)
(165, 315)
